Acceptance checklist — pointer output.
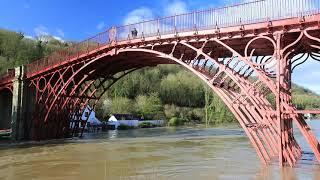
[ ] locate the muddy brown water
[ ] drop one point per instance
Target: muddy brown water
(163, 153)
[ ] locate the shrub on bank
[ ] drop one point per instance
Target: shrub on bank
(175, 122)
(125, 127)
(146, 125)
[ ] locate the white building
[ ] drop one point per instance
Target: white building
(88, 114)
(93, 120)
(122, 119)
(128, 120)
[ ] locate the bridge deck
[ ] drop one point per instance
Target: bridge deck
(231, 35)
(229, 23)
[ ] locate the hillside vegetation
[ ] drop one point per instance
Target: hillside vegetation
(166, 91)
(16, 49)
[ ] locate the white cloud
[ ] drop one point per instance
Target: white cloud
(58, 38)
(139, 15)
(42, 33)
(41, 30)
(101, 25)
(316, 74)
(29, 37)
(144, 14)
(177, 7)
(60, 32)
(308, 75)
(48, 38)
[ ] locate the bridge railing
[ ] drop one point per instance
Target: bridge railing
(236, 15)
(241, 14)
(69, 53)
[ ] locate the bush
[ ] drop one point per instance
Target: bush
(175, 122)
(146, 125)
(185, 114)
(121, 105)
(103, 108)
(148, 106)
(182, 89)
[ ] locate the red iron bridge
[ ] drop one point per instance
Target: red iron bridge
(245, 53)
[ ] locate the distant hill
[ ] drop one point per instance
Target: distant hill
(305, 98)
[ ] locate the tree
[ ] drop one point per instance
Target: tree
(209, 107)
(122, 105)
(104, 108)
(182, 89)
(148, 106)
(16, 49)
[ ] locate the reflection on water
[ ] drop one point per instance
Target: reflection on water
(164, 153)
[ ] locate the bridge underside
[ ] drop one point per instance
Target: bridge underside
(5, 109)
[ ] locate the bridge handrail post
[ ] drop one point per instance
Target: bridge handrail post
(142, 32)
(194, 20)
(175, 23)
(88, 46)
(113, 34)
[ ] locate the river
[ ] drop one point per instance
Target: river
(163, 153)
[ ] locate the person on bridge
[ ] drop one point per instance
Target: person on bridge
(134, 33)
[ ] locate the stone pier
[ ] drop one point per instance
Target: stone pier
(17, 107)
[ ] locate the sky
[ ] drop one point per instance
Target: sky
(77, 20)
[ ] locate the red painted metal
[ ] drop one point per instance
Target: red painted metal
(243, 57)
(7, 78)
(305, 112)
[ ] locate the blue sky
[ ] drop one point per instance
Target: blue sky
(78, 20)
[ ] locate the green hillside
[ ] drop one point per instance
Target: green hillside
(16, 49)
